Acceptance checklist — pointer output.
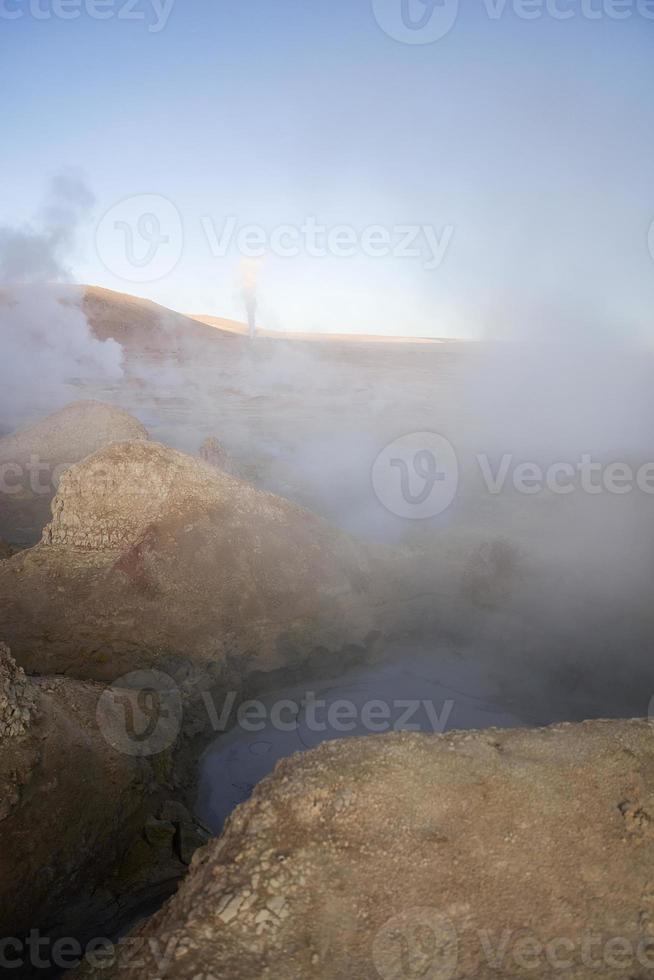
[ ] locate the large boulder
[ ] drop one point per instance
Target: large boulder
(75, 812)
(470, 855)
(33, 459)
(153, 558)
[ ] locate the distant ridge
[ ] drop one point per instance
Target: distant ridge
(238, 327)
(140, 323)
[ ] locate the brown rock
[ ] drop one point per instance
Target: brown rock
(72, 433)
(17, 697)
(213, 453)
(153, 557)
(159, 833)
(74, 861)
(32, 461)
(470, 856)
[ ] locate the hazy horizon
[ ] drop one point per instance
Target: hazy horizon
(503, 138)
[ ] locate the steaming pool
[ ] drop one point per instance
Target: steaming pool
(421, 690)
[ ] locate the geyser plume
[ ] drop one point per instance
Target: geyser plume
(45, 336)
(249, 281)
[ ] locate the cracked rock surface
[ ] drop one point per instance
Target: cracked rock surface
(73, 812)
(153, 557)
(17, 697)
(470, 855)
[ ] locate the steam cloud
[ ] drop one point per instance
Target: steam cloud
(550, 593)
(250, 275)
(45, 336)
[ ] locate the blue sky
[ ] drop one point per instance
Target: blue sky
(532, 141)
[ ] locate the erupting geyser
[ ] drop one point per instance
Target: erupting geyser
(249, 271)
(251, 307)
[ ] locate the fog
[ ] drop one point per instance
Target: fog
(45, 337)
(326, 403)
(540, 568)
(545, 587)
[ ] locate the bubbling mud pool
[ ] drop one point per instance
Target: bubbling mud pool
(427, 691)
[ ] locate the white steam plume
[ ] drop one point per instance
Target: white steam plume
(45, 336)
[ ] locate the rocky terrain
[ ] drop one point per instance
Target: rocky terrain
(153, 558)
(303, 418)
(76, 816)
(17, 697)
(464, 856)
(33, 459)
(460, 857)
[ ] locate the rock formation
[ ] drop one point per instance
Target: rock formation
(74, 815)
(215, 454)
(32, 461)
(17, 697)
(468, 856)
(72, 433)
(153, 557)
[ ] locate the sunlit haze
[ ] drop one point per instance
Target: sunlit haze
(525, 146)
